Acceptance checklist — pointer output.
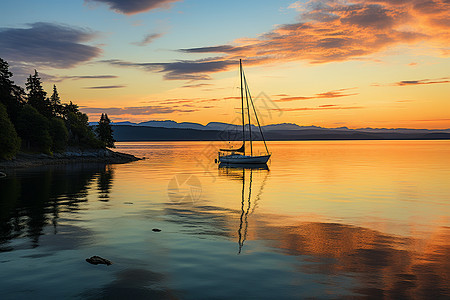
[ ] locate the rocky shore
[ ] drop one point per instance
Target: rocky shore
(25, 160)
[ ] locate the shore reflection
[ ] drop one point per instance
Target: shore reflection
(29, 203)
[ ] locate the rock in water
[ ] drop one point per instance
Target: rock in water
(156, 230)
(95, 260)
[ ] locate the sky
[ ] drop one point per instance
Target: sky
(329, 63)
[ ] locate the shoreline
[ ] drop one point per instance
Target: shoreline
(26, 160)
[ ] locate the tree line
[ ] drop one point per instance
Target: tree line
(32, 122)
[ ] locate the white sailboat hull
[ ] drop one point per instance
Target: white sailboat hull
(244, 159)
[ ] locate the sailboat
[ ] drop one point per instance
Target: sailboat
(240, 155)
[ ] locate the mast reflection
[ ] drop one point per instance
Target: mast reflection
(238, 172)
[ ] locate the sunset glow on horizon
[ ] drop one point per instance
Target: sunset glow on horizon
(352, 63)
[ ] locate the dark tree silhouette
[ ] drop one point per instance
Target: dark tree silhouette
(9, 140)
(68, 108)
(105, 132)
(59, 134)
(37, 97)
(80, 133)
(11, 95)
(55, 102)
(43, 124)
(33, 128)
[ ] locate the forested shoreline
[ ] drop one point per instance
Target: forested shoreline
(31, 122)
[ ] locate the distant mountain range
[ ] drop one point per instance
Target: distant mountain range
(171, 130)
(273, 127)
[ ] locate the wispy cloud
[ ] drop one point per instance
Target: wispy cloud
(422, 81)
(327, 95)
(431, 120)
(327, 31)
(322, 107)
(92, 77)
(130, 7)
(106, 87)
(136, 110)
(198, 85)
(57, 78)
(148, 39)
(47, 45)
(179, 70)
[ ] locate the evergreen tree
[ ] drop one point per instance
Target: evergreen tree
(5, 74)
(68, 108)
(105, 132)
(80, 133)
(9, 140)
(43, 123)
(59, 134)
(33, 128)
(37, 97)
(55, 102)
(11, 95)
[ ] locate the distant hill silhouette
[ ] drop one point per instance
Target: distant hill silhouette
(219, 126)
(150, 133)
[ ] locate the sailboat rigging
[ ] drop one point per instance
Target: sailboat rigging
(238, 156)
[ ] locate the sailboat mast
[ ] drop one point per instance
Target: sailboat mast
(247, 93)
(242, 105)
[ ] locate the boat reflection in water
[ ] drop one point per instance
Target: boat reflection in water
(238, 171)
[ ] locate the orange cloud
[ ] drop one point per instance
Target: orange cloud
(331, 94)
(321, 107)
(328, 31)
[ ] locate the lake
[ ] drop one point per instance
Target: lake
(325, 220)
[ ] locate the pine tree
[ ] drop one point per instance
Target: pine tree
(11, 95)
(54, 99)
(55, 102)
(105, 132)
(37, 97)
(69, 108)
(80, 133)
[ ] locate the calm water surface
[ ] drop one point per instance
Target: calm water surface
(327, 220)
